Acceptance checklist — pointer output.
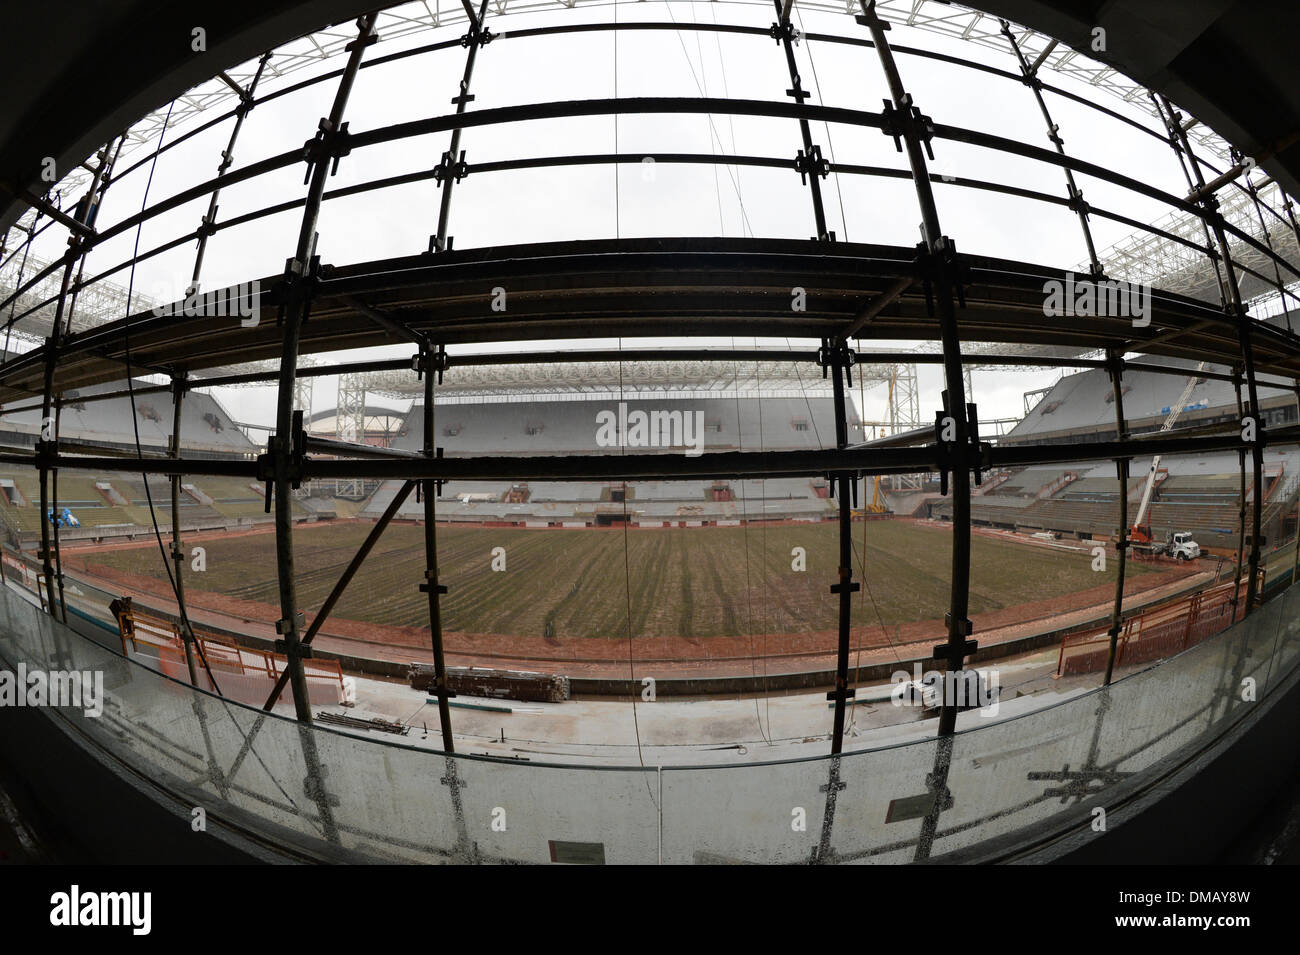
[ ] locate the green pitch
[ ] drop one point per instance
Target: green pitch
(681, 582)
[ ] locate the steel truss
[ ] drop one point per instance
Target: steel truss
(692, 287)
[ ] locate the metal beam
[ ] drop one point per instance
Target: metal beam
(431, 586)
(341, 585)
(1122, 545)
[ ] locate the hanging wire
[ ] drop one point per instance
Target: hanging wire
(830, 142)
(744, 521)
(731, 172)
(135, 423)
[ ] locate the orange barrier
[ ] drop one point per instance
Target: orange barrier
(1155, 633)
(225, 658)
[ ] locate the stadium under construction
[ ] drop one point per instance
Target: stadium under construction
(560, 446)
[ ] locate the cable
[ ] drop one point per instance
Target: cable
(130, 384)
(627, 591)
(731, 126)
(830, 143)
(744, 517)
(712, 126)
(717, 183)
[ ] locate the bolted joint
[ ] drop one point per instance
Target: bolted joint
(941, 265)
(811, 163)
(964, 628)
(436, 361)
(836, 354)
(329, 144)
(783, 31)
(907, 122)
(367, 38)
(285, 625)
(297, 283)
(207, 226)
(1076, 201)
(449, 170)
(46, 454)
(482, 36)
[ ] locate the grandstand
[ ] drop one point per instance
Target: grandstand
(110, 505)
(207, 430)
(570, 427)
(1080, 407)
(1201, 494)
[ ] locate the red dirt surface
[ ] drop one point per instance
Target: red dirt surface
(713, 656)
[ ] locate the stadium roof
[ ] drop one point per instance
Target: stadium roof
(648, 287)
(69, 90)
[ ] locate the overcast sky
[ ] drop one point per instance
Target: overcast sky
(596, 202)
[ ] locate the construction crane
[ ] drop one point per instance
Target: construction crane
(878, 503)
(1179, 545)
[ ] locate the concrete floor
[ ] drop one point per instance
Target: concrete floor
(692, 731)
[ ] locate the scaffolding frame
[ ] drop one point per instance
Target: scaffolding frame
(927, 289)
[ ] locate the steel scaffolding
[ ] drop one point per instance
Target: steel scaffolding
(682, 287)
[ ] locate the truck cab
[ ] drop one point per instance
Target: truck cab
(1182, 546)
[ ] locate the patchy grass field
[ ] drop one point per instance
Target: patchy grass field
(682, 582)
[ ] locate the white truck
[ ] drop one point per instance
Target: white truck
(1180, 546)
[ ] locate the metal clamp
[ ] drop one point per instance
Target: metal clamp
(811, 163)
(447, 169)
(928, 266)
(907, 121)
(327, 144)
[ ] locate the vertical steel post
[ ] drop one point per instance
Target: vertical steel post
(431, 586)
(208, 225)
(47, 448)
(940, 267)
(837, 358)
(54, 506)
(1116, 365)
(809, 162)
(1241, 504)
(1237, 310)
(320, 152)
(940, 260)
(1029, 76)
(449, 170)
(1295, 557)
(178, 554)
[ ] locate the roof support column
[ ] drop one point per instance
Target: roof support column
(808, 162)
(283, 460)
(1241, 504)
(1252, 425)
(1029, 76)
(1116, 365)
(47, 444)
(209, 223)
(451, 168)
(837, 358)
(940, 268)
(431, 364)
(178, 552)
